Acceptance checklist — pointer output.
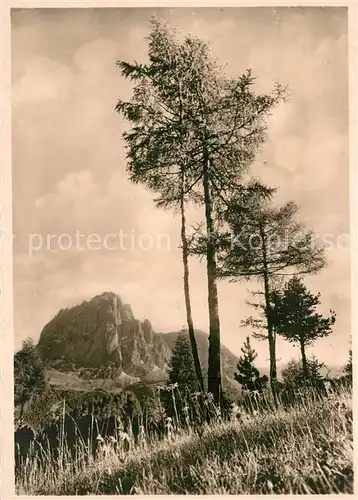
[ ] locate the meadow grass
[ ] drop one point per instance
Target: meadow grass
(307, 448)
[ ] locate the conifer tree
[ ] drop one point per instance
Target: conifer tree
(181, 382)
(181, 366)
(29, 375)
(293, 375)
(189, 118)
(265, 243)
(296, 319)
(248, 375)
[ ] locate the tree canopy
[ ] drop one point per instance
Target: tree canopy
(296, 317)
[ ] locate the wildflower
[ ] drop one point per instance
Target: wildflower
(235, 409)
(100, 438)
(208, 398)
(124, 436)
(269, 486)
(171, 387)
(141, 431)
(217, 411)
(236, 412)
(120, 425)
(169, 426)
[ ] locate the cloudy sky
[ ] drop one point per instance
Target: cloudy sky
(69, 170)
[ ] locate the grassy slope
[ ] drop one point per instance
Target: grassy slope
(307, 449)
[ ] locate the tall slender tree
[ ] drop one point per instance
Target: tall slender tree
(266, 243)
(185, 112)
(157, 145)
(296, 318)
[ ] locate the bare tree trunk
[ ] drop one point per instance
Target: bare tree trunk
(194, 347)
(214, 362)
(306, 373)
(268, 313)
(270, 333)
(22, 408)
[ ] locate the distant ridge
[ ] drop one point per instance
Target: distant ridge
(100, 343)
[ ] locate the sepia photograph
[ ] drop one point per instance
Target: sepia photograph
(181, 251)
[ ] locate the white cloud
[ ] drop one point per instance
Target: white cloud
(78, 186)
(43, 80)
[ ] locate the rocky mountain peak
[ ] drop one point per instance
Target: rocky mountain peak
(102, 338)
(100, 332)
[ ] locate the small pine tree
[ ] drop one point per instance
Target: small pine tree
(249, 376)
(293, 375)
(181, 367)
(29, 376)
(296, 319)
(181, 381)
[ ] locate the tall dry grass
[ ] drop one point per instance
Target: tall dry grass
(307, 448)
